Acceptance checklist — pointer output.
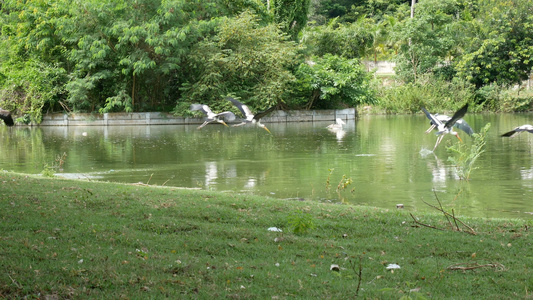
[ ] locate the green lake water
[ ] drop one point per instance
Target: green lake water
(382, 159)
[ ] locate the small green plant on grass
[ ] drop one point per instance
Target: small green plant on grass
(344, 183)
(60, 161)
(300, 222)
(48, 171)
(328, 184)
(465, 156)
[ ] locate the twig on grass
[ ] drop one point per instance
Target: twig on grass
(426, 225)
(14, 282)
(442, 209)
(150, 179)
(447, 215)
(359, 274)
(472, 266)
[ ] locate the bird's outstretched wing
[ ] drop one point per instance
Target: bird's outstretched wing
(201, 107)
(261, 114)
(432, 119)
(242, 107)
(456, 116)
(6, 116)
(461, 124)
(511, 133)
(228, 115)
(519, 130)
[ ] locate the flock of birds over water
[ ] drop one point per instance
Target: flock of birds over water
(443, 124)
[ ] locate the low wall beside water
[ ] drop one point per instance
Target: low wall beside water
(156, 118)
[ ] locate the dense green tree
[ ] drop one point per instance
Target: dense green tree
(351, 10)
(351, 40)
(501, 44)
(138, 55)
(333, 81)
(426, 39)
(106, 54)
(291, 15)
(244, 59)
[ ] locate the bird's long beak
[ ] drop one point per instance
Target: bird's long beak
(224, 123)
(459, 138)
(267, 130)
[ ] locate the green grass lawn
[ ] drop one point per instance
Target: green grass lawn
(80, 239)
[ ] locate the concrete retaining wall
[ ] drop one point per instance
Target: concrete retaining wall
(155, 118)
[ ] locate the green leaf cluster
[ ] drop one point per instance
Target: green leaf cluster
(500, 49)
(105, 55)
(464, 156)
(333, 81)
(245, 59)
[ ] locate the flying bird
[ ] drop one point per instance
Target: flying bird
(461, 124)
(518, 130)
(446, 127)
(6, 116)
(249, 116)
(211, 116)
(338, 124)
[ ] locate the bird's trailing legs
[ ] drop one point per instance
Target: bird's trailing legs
(430, 128)
(207, 122)
(439, 139)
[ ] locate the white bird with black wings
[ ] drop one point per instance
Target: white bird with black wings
(249, 117)
(211, 116)
(445, 124)
(518, 130)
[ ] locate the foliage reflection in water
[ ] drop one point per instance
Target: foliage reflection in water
(377, 160)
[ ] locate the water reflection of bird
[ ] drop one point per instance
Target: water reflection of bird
(6, 116)
(337, 126)
(519, 130)
(211, 116)
(249, 116)
(446, 126)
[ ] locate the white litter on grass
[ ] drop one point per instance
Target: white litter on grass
(275, 229)
(393, 266)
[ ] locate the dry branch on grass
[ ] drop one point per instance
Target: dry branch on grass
(447, 215)
(472, 266)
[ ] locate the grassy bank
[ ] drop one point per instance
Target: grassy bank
(78, 239)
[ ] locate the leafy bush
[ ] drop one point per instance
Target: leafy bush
(346, 40)
(27, 87)
(245, 59)
(300, 222)
(497, 98)
(430, 92)
(465, 156)
(333, 81)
